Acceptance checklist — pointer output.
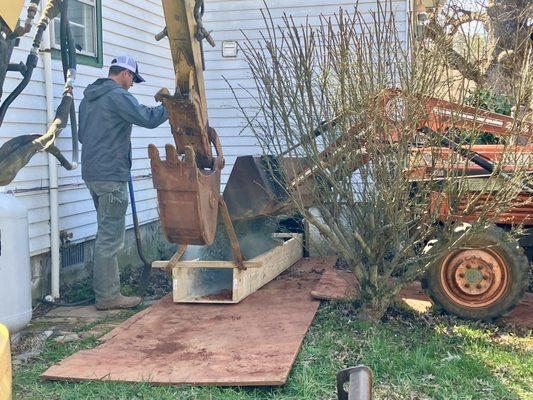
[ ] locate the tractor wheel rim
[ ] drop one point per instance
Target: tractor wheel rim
(474, 277)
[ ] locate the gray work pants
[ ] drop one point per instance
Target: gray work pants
(111, 201)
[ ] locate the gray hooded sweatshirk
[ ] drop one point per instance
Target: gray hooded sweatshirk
(106, 114)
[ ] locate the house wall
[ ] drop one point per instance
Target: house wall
(233, 20)
(129, 27)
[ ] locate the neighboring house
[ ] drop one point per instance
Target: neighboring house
(105, 29)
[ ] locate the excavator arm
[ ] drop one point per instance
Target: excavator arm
(188, 107)
(188, 180)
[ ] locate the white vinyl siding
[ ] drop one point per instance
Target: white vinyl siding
(129, 27)
(232, 20)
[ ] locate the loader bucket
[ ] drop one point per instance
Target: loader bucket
(258, 188)
(188, 196)
(252, 191)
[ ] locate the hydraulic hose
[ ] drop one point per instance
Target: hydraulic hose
(68, 59)
(31, 63)
(18, 151)
(145, 275)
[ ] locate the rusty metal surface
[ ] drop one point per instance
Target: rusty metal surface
(188, 181)
(259, 186)
(238, 255)
(441, 115)
(519, 212)
(359, 380)
(188, 128)
(187, 106)
(188, 197)
(474, 277)
(251, 190)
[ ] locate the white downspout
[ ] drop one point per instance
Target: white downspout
(52, 167)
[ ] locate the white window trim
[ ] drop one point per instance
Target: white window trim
(91, 3)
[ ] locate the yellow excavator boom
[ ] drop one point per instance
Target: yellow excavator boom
(10, 11)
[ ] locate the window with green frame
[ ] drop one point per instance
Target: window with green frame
(85, 19)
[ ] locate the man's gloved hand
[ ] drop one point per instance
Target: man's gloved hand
(161, 94)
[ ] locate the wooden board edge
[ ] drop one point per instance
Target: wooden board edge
(206, 264)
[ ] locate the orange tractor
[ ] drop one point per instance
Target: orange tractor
(489, 273)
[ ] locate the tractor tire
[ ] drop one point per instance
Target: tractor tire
(482, 280)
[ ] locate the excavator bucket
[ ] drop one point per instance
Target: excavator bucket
(252, 189)
(188, 196)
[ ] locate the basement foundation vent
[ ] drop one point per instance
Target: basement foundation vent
(72, 255)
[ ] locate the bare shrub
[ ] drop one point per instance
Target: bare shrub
(354, 150)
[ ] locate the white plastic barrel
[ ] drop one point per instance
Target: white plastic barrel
(15, 275)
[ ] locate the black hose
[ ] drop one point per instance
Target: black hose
(68, 47)
(476, 158)
(31, 63)
(63, 37)
(68, 60)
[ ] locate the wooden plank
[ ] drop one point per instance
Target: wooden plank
(222, 282)
(253, 343)
(335, 285)
(274, 262)
(206, 264)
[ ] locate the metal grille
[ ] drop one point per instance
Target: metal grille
(72, 255)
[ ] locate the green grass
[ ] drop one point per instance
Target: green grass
(412, 357)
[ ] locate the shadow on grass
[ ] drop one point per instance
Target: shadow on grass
(439, 357)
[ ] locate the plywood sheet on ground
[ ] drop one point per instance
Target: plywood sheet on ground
(338, 284)
(251, 343)
(335, 284)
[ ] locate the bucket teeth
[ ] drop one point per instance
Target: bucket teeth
(190, 156)
(172, 155)
(153, 153)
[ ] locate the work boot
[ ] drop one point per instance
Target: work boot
(119, 302)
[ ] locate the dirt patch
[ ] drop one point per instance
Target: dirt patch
(224, 294)
(179, 352)
(165, 348)
(226, 317)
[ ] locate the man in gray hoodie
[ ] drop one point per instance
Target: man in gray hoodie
(107, 113)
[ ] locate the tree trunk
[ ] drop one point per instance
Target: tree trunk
(373, 309)
(375, 300)
(508, 31)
